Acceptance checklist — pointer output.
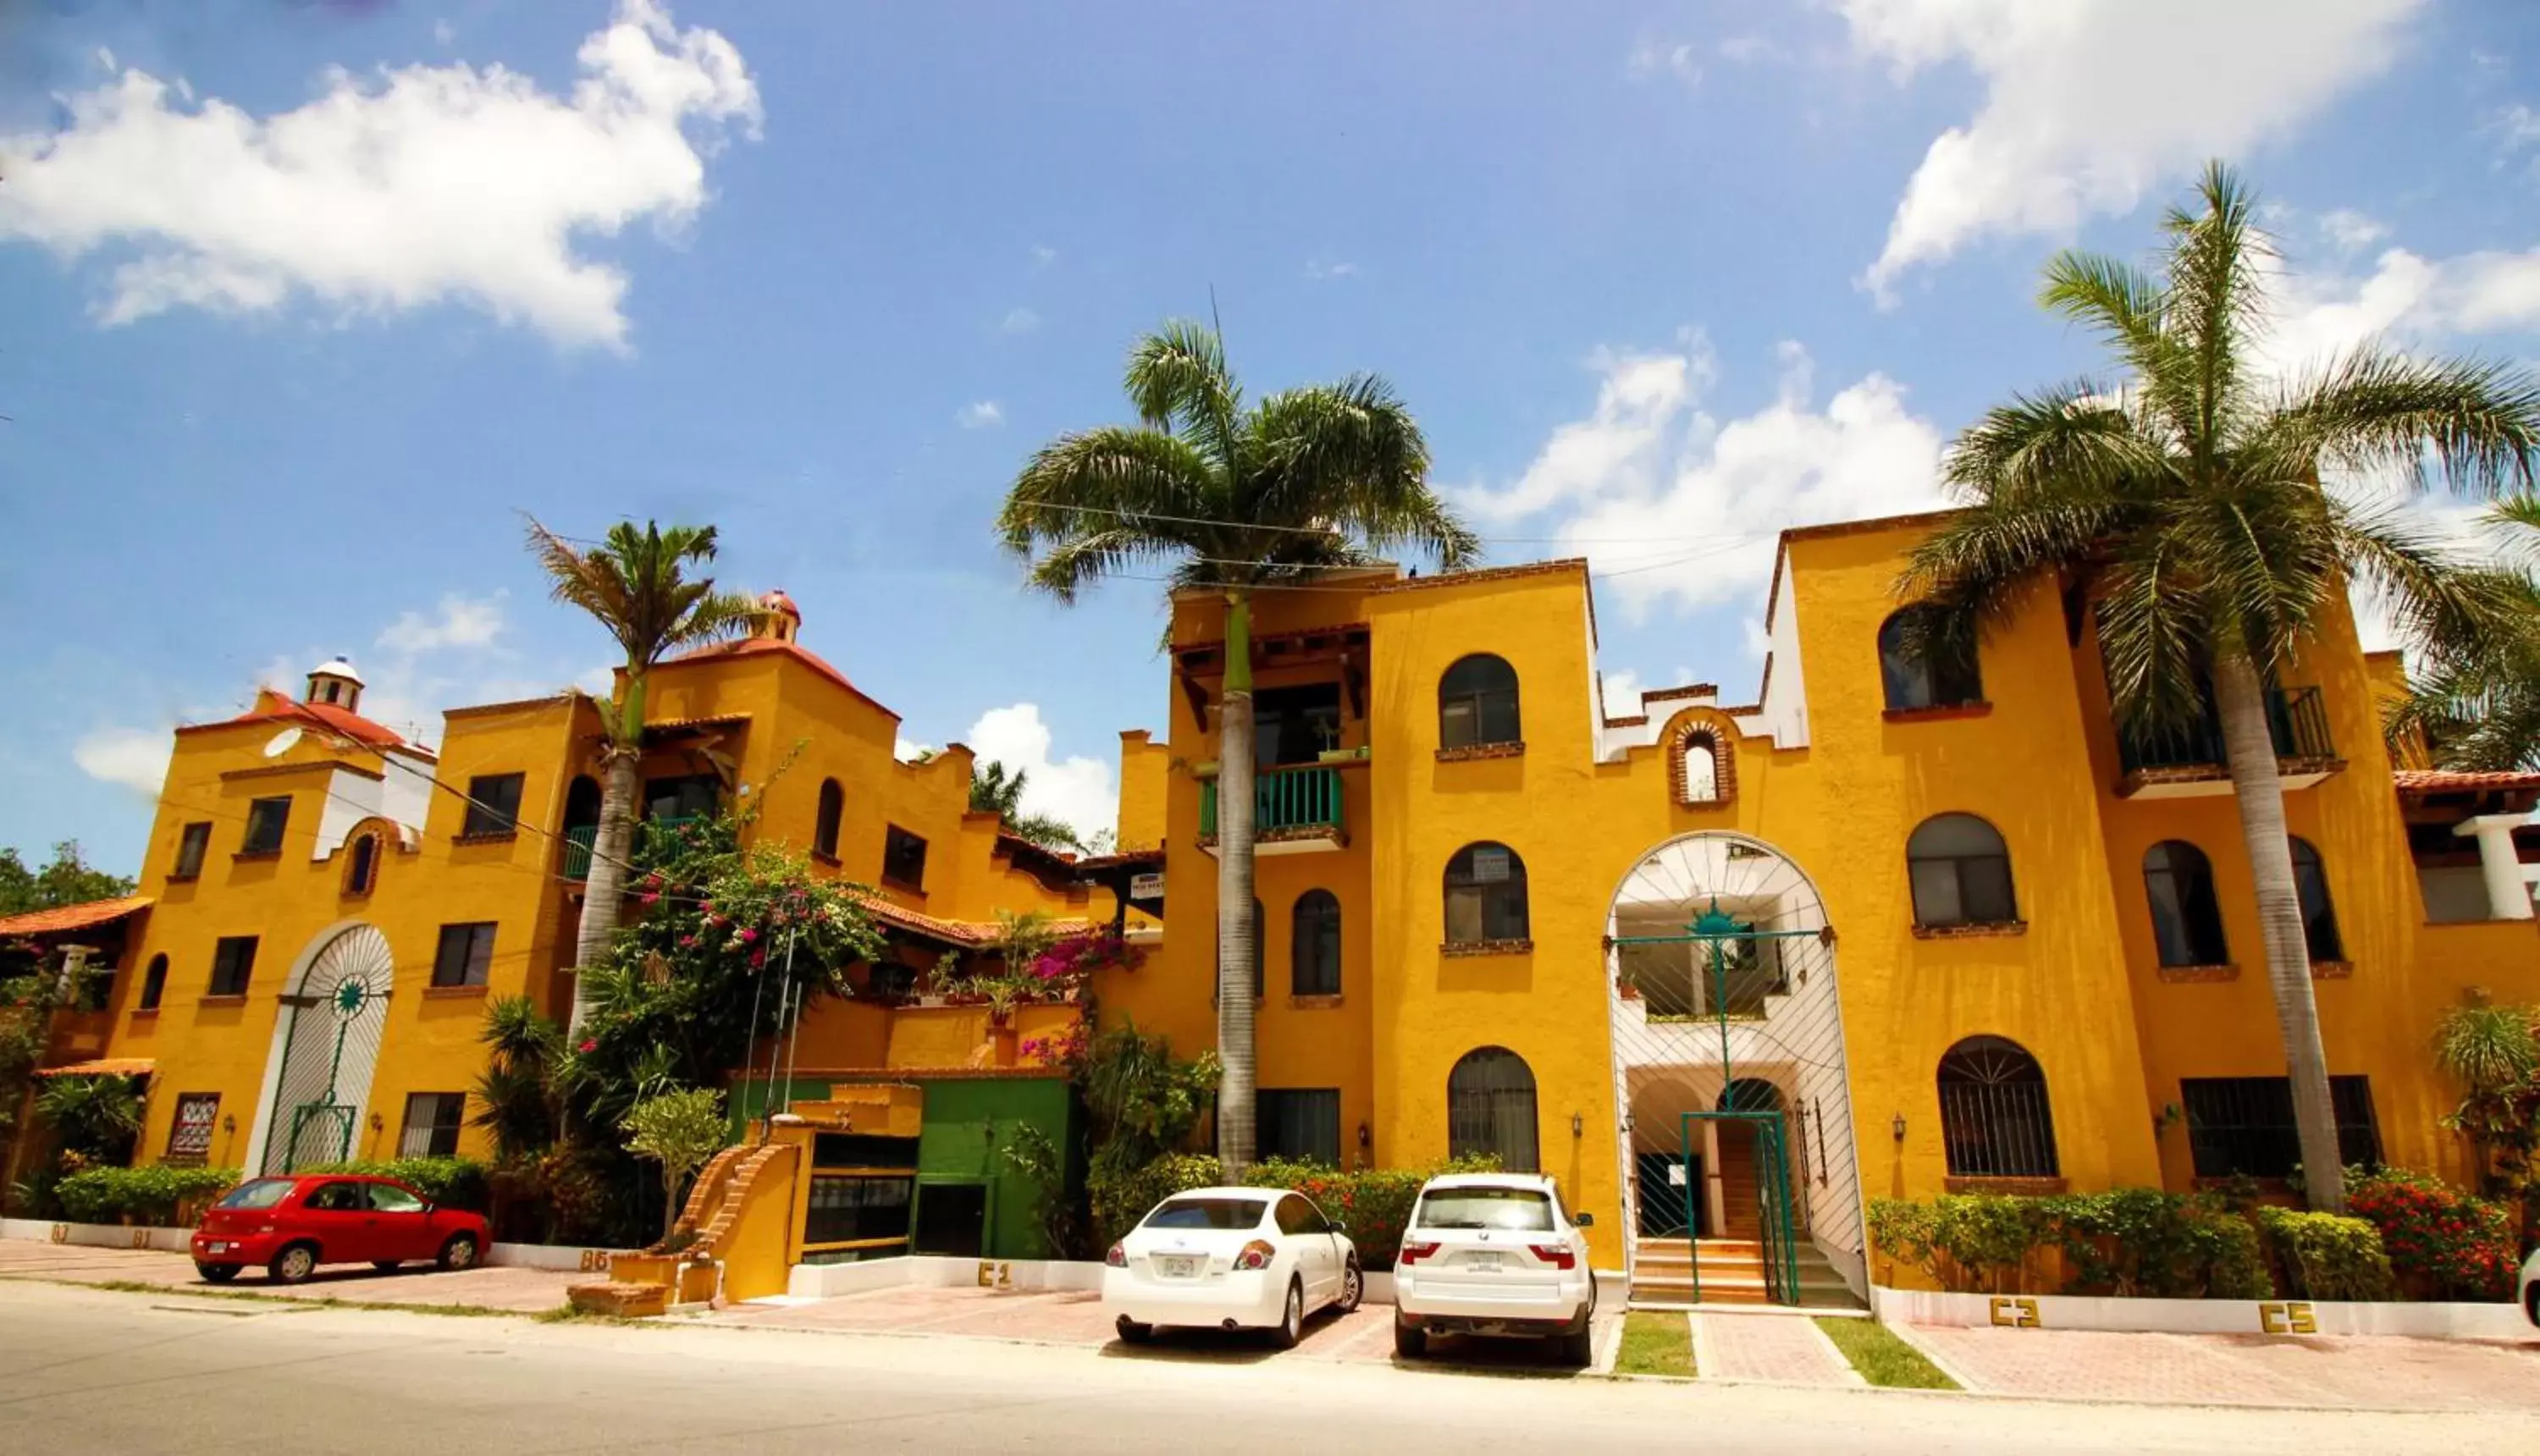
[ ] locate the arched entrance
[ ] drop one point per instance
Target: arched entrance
(325, 1045)
(1740, 1173)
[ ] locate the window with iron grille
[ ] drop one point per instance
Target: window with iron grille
(855, 1209)
(189, 1133)
(1490, 1109)
(265, 821)
(903, 858)
(1315, 945)
(1477, 703)
(1300, 1124)
(1486, 895)
(493, 804)
(2243, 1125)
(1960, 872)
(1995, 1122)
(190, 848)
(233, 960)
(432, 1120)
(465, 956)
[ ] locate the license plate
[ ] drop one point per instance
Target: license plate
(216, 1247)
(1174, 1268)
(1483, 1259)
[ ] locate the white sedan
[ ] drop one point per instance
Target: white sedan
(2531, 1287)
(1232, 1257)
(1494, 1254)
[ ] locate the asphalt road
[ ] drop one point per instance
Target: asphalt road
(84, 1370)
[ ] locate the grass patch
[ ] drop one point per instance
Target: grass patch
(1880, 1356)
(1654, 1343)
(293, 1301)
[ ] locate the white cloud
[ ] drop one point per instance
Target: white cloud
(417, 185)
(984, 415)
(2412, 300)
(1080, 791)
(1042, 256)
(2349, 231)
(1623, 693)
(2071, 128)
(460, 622)
(1746, 50)
(444, 33)
(136, 758)
(1670, 505)
(1679, 60)
(1322, 271)
(2515, 127)
(909, 750)
(1019, 320)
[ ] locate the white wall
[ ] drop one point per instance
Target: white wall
(1785, 696)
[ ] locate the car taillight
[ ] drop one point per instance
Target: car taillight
(1555, 1255)
(1414, 1253)
(1256, 1255)
(1118, 1258)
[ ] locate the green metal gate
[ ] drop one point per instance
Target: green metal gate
(1729, 948)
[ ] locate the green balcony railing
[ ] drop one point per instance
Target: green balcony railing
(1306, 796)
(577, 851)
(2296, 720)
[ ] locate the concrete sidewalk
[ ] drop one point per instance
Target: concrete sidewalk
(509, 1291)
(2282, 1371)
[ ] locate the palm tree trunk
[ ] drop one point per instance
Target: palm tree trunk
(603, 894)
(2241, 699)
(1235, 927)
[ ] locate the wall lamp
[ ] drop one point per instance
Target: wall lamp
(1898, 1127)
(1578, 1125)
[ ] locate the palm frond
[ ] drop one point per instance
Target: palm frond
(1177, 379)
(2472, 425)
(1976, 561)
(1101, 500)
(2128, 309)
(2216, 264)
(1350, 455)
(2072, 442)
(2155, 632)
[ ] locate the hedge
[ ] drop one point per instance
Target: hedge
(154, 1196)
(1120, 1200)
(2325, 1255)
(453, 1182)
(2131, 1242)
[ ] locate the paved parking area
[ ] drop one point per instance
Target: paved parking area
(2304, 1372)
(1077, 1318)
(518, 1290)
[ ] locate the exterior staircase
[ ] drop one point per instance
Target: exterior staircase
(1732, 1272)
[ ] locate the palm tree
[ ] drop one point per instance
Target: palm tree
(2475, 703)
(994, 789)
(1238, 499)
(635, 584)
(2184, 497)
(96, 1118)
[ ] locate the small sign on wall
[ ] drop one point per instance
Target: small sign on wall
(1490, 864)
(1150, 886)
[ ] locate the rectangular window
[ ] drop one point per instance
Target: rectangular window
(903, 859)
(846, 1210)
(190, 1136)
(2244, 1124)
(432, 1122)
(1300, 1124)
(190, 848)
(467, 953)
(688, 797)
(265, 818)
(1294, 725)
(493, 804)
(233, 960)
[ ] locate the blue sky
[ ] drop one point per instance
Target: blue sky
(306, 301)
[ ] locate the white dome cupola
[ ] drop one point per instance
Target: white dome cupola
(335, 682)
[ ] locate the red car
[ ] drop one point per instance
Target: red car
(291, 1225)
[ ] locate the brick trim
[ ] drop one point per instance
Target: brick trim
(453, 993)
(2022, 1187)
(2183, 975)
(222, 1001)
(1972, 931)
(1314, 1003)
(2332, 970)
(1486, 947)
(1471, 751)
(1567, 566)
(1678, 740)
(1938, 713)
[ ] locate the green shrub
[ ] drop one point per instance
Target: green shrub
(1373, 1205)
(2144, 1243)
(156, 1196)
(2325, 1255)
(1964, 1242)
(451, 1182)
(1120, 1199)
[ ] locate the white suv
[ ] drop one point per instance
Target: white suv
(1494, 1254)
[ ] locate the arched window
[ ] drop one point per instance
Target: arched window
(1960, 872)
(154, 984)
(1490, 1109)
(1750, 1094)
(1477, 703)
(1485, 895)
(1701, 767)
(824, 832)
(1993, 1118)
(2319, 917)
(1315, 945)
(1923, 664)
(364, 870)
(582, 801)
(2186, 915)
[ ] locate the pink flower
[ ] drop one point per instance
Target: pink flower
(757, 959)
(588, 1046)
(649, 897)
(687, 942)
(748, 935)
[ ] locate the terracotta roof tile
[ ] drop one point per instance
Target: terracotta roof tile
(2445, 781)
(104, 1067)
(971, 933)
(80, 917)
(325, 717)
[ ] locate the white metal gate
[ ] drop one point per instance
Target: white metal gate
(330, 1043)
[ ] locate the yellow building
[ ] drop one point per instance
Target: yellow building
(1963, 933)
(1892, 927)
(329, 908)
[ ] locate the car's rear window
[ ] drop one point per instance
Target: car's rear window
(261, 1193)
(1206, 1213)
(1524, 1209)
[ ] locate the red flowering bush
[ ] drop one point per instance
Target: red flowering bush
(2443, 1244)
